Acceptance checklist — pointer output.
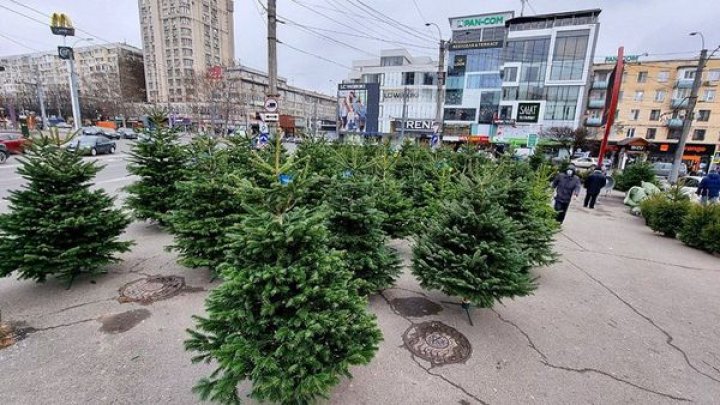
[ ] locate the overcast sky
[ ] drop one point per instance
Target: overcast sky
(642, 26)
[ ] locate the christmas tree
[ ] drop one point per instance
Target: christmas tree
(57, 226)
(470, 249)
(527, 201)
(207, 206)
(288, 316)
(159, 162)
(389, 193)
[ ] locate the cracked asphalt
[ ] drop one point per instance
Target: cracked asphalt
(625, 317)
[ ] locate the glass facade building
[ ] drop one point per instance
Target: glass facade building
(546, 65)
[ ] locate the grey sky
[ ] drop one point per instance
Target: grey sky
(652, 26)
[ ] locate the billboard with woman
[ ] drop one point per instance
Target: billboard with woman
(358, 107)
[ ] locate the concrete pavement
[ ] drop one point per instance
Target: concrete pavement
(625, 317)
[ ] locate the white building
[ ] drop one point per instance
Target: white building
(405, 80)
(546, 71)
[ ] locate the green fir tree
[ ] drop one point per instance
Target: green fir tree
(57, 226)
(159, 161)
(288, 316)
(207, 206)
(471, 248)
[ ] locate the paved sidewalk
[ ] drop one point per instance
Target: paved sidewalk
(625, 317)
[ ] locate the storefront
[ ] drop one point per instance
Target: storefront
(695, 154)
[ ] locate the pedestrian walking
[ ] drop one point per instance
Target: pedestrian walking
(709, 188)
(593, 184)
(567, 185)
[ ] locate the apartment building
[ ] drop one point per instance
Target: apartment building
(181, 38)
(236, 94)
(408, 90)
(109, 76)
(654, 95)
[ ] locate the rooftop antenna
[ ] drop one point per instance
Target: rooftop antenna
(522, 7)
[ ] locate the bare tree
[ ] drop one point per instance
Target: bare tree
(568, 138)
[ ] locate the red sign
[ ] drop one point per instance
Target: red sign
(215, 72)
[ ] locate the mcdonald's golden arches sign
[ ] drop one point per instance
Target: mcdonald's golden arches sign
(60, 24)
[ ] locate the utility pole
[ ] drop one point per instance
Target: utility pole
(272, 47)
(687, 123)
(404, 115)
(440, 82)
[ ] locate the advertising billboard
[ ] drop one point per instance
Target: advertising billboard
(358, 107)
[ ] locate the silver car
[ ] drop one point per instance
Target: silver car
(663, 169)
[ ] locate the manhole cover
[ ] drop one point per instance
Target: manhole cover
(151, 289)
(437, 343)
(415, 306)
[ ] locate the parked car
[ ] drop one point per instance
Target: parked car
(14, 142)
(109, 133)
(4, 154)
(662, 169)
(585, 163)
(92, 131)
(63, 125)
(128, 133)
(91, 145)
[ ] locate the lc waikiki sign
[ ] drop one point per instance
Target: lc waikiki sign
(480, 21)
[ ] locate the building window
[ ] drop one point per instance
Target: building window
(689, 74)
(506, 112)
(601, 76)
(630, 133)
(660, 96)
(639, 95)
(621, 94)
(642, 77)
(714, 75)
(489, 103)
(459, 114)
(484, 60)
(674, 133)
(408, 78)
(698, 135)
(709, 96)
(654, 115)
(453, 96)
(651, 132)
(510, 74)
(561, 102)
(569, 55)
(428, 79)
(663, 76)
(634, 115)
(483, 81)
(703, 115)
(391, 61)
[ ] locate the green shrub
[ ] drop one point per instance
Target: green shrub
(666, 212)
(702, 227)
(634, 175)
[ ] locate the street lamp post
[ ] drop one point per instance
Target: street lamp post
(74, 87)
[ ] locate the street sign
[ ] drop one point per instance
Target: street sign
(60, 24)
(270, 117)
(532, 140)
(65, 53)
(271, 105)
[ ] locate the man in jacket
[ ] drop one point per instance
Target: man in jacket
(709, 188)
(593, 184)
(566, 186)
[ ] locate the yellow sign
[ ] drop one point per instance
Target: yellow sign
(60, 24)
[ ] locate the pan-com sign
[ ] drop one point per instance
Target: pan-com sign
(60, 24)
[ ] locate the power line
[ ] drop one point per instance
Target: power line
(19, 43)
(24, 15)
(531, 7)
(48, 16)
(382, 17)
(419, 11)
(337, 8)
(314, 55)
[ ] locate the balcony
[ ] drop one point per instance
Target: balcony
(593, 122)
(599, 85)
(674, 123)
(596, 104)
(679, 102)
(684, 83)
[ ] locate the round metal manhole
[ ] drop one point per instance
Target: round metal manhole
(437, 343)
(152, 289)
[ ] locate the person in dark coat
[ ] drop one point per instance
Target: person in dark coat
(709, 188)
(593, 184)
(566, 186)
